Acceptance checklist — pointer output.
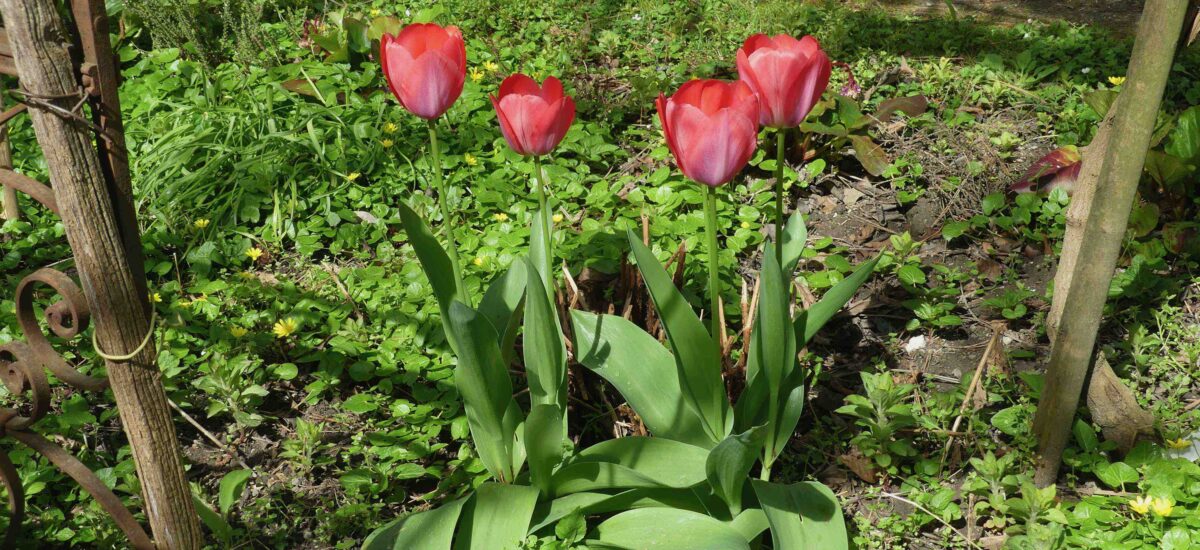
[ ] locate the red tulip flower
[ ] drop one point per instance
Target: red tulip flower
(788, 75)
(711, 127)
(533, 118)
(425, 66)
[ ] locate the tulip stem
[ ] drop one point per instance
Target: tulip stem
(714, 280)
(440, 185)
(779, 160)
(543, 219)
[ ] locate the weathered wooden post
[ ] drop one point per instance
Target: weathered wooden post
(1104, 228)
(97, 216)
(8, 195)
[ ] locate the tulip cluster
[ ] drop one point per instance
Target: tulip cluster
(711, 128)
(425, 66)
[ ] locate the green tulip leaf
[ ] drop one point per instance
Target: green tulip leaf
(591, 503)
(482, 379)
(696, 354)
(543, 444)
(810, 321)
(502, 306)
(671, 529)
(631, 462)
(794, 237)
(773, 340)
(497, 518)
(545, 354)
(428, 530)
(791, 406)
(434, 261)
(751, 523)
(642, 370)
(539, 251)
(730, 462)
(802, 515)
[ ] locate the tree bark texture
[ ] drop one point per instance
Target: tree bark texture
(1121, 168)
(8, 195)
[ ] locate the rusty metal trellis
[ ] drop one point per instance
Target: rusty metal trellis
(23, 365)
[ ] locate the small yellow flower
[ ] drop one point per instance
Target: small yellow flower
(352, 176)
(156, 297)
(285, 327)
(745, 225)
(1177, 444)
(237, 331)
(246, 275)
(490, 66)
(478, 261)
(470, 159)
(375, 12)
(185, 303)
(254, 253)
(1162, 507)
(1116, 80)
(1140, 504)
(501, 217)
(390, 128)
(387, 143)
(557, 218)
(200, 223)
(537, 75)
(476, 75)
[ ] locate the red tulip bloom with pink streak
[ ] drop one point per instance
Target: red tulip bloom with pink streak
(788, 75)
(533, 118)
(711, 127)
(425, 67)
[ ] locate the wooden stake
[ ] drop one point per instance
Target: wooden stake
(8, 195)
(1133, 124)
(116, 291)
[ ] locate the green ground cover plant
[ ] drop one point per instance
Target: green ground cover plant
(282, 192)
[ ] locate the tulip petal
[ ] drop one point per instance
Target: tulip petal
(419, 38)
(455, 48)
(519, 84)
(813, 81)
(431, 85)
(506, 128)
(554, 123)
(725, 148)
(552, 89)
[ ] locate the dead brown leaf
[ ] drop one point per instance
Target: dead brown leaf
(860, 465)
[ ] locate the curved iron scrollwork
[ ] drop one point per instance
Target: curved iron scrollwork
(23, 367)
